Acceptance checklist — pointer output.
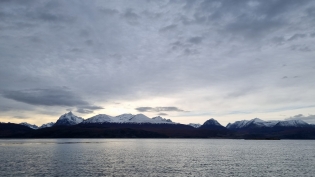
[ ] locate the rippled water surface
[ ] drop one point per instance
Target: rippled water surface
(156, 157)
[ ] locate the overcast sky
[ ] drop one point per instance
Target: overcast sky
(185, 60)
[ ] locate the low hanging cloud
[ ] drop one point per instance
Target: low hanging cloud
(20, 117)
(88, 109)
(51, 97)
(159, 109)
(309, 119)
(45, 97)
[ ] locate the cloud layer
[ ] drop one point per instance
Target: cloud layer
(309, 118)
(213, 58)
(158, 109)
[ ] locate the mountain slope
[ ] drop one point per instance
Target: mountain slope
(194, 125)
(9, 130)
(127, 118)
(68, 119)
(101, 118)
(50, 124)
(292, 123)
(29, 125)
(258, 123)
(212, 124)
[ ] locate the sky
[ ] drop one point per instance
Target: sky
(188, 61)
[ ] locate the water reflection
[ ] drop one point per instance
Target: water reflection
(155, 157)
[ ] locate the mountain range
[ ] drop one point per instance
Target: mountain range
(130, 126)
(70, 119)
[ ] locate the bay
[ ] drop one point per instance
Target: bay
(156, 157)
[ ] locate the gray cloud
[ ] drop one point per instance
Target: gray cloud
(162, 114)
(107, 11)
(168, 28)
(131, 17)
(296, 36)
(51, 97)
(302, 48)
(159, 109)
(125, 51)
(84, 111)
(21, 117)
(195, 40)
(45, 97)
(87, 109)
(308, 119)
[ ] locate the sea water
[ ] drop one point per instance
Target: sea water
(156, 157)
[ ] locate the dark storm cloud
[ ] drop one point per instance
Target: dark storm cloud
(158, 109)
(45, 97)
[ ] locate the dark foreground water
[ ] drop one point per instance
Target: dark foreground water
(156, 157)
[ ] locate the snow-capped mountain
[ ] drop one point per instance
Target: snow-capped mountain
(212, 124)
(101, 118)
(68, 119)
(258, 123)
(194, 125)
(122, 118)
(292, 123)
(50, 124)
(251, 123)
(140, 118)
(29, 125)
(127, 118)
(162, 120)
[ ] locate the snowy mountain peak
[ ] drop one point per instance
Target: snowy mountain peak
(69, 119)
(161, 119)
(99, 119)
(256, 120)
(122, 118)
(29, 125)
(127, 118)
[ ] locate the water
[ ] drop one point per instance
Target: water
(156, 157)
